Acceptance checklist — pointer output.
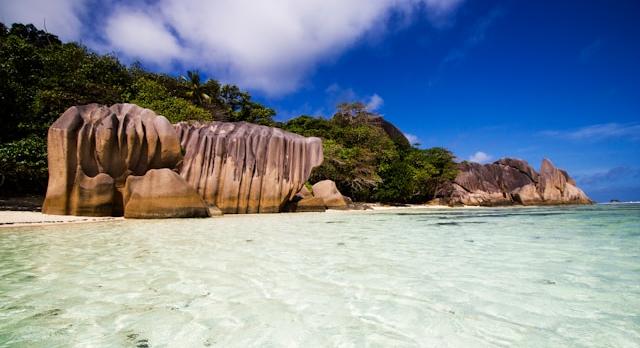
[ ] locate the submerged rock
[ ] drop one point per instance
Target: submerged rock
(512, 181)
(246, 168)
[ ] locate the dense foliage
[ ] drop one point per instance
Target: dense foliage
(40, 77)
(367, 164)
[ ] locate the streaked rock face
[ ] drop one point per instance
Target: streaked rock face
(246, 168)
(512, 181)
(102, 162)
(92, 149)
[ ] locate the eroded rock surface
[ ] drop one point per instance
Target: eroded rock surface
(161, 193)
(92, 149)
(328, 191)
(246, 168)
(512, 181)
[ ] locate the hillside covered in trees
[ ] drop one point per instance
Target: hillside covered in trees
(40, 77)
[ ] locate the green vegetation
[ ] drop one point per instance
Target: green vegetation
(40, 77)
(367, 164)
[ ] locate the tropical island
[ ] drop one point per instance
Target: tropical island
(319, 174)
(356, 153)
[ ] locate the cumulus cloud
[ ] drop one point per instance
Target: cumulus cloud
(595, 132)
(480, 157)
(266, 45)
(62, 17)
(142, 37)
(375, 102)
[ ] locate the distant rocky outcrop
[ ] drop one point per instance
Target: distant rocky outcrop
(512, 181)
(246, 168)
(93, 150)
(392, 131)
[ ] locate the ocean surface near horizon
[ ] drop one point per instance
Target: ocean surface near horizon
(481, 277)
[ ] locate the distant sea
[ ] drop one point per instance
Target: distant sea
(471, 277)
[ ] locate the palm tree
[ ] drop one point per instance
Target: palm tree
(195, 89)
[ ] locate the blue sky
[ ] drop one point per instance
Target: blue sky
(486, 79)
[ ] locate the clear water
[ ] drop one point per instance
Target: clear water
(527, 277)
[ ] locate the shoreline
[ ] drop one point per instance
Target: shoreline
(22, 218)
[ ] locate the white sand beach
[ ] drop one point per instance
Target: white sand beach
(28, 218)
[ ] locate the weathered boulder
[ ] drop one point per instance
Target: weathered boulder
(328, 192)
(304, 193)
(556, 187)
(161, 193)
(246, 168)
(92, 149)
(512, 181)
(527, 195)
(309, 204)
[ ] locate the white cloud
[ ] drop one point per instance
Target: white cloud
(599, 132)
(62, 17)
(141, 37)
(337, 94)
(413, 139)
(480, 157)
(267, 45)
(375, 102)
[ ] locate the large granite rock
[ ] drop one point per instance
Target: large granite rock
(246, 168)
(328, 192)
(92, 149)
(392, 131)
(512, 181)
(161, 193)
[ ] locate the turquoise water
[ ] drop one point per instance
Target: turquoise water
(526, 277)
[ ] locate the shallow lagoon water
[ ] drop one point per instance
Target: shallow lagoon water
(528, 277)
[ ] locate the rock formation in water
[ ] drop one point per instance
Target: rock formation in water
(246, 168)
(512, 181)
(93, 149)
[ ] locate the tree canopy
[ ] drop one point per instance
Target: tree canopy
(369, 164)
(40, 77)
